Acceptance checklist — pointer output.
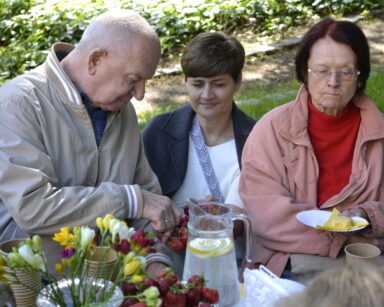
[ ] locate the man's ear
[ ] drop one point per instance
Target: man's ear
(96, 56)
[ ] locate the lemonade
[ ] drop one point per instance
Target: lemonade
(214, 258)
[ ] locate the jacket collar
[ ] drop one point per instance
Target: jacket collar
(57, 73)
(295, 127)
(175, 125)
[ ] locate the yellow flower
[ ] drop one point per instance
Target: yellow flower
(137, 278)
(132, 267)
(106, 220)
(99, 223)
(59, 268)
(2, 260)
(64, 237)
(129, 257)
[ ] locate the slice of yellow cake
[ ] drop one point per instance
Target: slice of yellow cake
(337, 222)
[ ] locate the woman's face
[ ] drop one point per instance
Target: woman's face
(212, 97)
(331, 94)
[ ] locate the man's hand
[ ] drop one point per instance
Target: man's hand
(160, 210)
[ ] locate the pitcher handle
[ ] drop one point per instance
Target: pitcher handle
(248, 234)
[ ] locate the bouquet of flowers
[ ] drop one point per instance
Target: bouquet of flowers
(84, 285)
(121, 250)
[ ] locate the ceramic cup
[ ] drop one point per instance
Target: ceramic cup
(25, 296)
(361, 252)
(102, 263)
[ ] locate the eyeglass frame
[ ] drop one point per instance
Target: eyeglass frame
(355, 74)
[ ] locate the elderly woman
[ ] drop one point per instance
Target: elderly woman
(196, 150)
(321, 151)
(354, 285)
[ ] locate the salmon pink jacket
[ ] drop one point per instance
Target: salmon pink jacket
(279, 180)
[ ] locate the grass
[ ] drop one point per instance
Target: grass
(260, 99)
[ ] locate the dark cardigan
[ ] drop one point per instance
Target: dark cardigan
(166, 141)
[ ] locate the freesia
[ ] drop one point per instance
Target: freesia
(37, 243)
(35, 260)
(119, 227)
(64, 237)
(59, 268)
(87, 236)
(131, 267)
(106, 220)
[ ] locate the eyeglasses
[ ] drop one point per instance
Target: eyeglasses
(344, 74)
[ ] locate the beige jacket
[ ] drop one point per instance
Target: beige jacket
(279, 180)
(52, 173)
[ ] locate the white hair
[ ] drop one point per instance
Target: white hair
(115, 29)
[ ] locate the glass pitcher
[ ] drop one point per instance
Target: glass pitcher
(211, 251)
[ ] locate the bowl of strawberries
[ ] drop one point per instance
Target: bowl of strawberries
(177, 240)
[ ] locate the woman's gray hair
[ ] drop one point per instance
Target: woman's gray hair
(347, 286)
(115, 29)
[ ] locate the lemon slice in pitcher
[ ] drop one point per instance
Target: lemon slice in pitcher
(210, 247)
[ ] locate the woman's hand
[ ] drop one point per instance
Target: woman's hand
(355, 212)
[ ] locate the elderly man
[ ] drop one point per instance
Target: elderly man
(70, 147)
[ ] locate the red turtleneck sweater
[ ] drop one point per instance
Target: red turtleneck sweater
(333, 139)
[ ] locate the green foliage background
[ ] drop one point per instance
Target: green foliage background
(29, 27)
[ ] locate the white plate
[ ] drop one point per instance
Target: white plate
(312, 218)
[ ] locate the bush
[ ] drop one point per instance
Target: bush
(29, 27)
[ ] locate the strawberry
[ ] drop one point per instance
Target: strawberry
(164, 285)
(196, 280)
(173, 299)
(129, 288)
(193, 296)
(186, 210)
(129, 302)
(149, 282)
(176, 243)
(139, 304)
(211, 295)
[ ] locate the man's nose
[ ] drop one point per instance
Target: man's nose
(139, 90)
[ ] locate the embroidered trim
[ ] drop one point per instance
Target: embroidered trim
(205, 160)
